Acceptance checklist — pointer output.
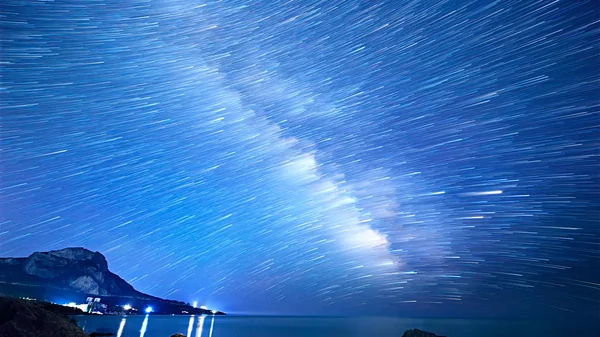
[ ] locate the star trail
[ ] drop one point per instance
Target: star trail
(310, 156)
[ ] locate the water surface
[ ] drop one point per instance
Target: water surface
(242, 326)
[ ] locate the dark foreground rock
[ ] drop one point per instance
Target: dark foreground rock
(418, 333)
(19, 318)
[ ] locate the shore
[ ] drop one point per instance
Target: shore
(24, 318)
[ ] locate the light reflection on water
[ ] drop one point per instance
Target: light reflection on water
(121, 327)
(199, 326)
(144, 326)
(212, 323)
(190, 326)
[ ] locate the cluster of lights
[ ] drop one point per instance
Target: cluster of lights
(148, 309)
(82, 307)
(203, 307)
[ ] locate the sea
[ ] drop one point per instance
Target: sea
(262, 326)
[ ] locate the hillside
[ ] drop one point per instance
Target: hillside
(71, 275)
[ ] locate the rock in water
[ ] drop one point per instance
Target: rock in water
(418, 333)
(178, 335)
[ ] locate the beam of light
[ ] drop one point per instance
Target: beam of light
(195, 304)
(121, 327)
(199, 326)
(190, 326)
(212, 323)
(144, 326)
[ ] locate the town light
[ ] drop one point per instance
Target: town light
(195, 304)
(127, 307)
(149, 310)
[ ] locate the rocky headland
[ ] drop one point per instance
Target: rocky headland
(72, 275)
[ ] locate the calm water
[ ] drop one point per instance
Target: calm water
(208, 326)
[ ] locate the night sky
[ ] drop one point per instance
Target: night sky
(323, 157)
